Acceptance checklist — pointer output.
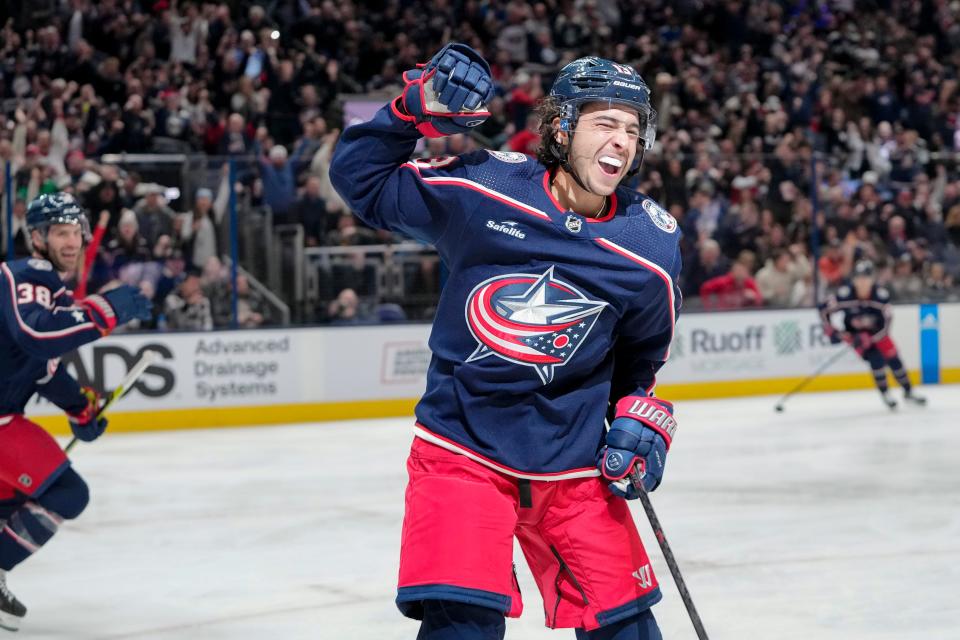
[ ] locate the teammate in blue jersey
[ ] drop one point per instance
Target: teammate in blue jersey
(558, 311)
(866, 316)
(40, 322)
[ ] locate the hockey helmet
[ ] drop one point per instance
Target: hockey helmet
(863, 269)
(591, 79)
(56, 208)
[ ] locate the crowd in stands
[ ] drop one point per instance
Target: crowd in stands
(768, 112)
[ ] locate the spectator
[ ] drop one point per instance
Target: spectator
(778, 278)
(348, 233)
(345, 308)
(251, 308)
(22, 244)
(197, 233)
(320, 167)
(187, 307)
(833, 265)
(495, 130)
(279, 185)
(706, 264)
(939, 285)
(216, 287)
(735, 290)
(105, 197)
(527, 139)
(154, 217)
(906, 284)
(311, 212)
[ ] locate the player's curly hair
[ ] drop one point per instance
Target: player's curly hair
(547, 153)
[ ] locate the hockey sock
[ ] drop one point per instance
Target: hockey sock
(879, 369)
(448, 620)
(899, 372)
(33, 524)
(642, 626)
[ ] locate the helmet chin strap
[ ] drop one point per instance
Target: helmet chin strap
(564, 157)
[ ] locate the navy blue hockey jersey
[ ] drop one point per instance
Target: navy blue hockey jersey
(546, 317)
(40, 323)
(871, 315)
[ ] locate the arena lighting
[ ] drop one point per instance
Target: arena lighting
(274, 35)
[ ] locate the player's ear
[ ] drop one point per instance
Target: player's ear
(559, 136)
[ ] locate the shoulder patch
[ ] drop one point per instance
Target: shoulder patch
(660, 216)
(39, 264)
(513, 157)
(843, 291)
(883, 294)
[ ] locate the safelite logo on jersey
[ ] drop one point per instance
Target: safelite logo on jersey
(530, 319)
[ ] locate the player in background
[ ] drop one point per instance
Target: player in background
(40, 322)
(558, 311)
(866, 317)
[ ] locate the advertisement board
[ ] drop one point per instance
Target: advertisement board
(323, 373)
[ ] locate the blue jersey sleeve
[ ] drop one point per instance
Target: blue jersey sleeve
(372, 171)
(38, 313)
(60, 388)
(643, 344)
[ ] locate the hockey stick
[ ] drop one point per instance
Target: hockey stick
(823, 367)
(668, 554)
(148, 358)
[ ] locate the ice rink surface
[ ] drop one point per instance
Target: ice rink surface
(834, 520)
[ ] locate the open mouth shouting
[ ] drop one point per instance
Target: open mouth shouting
(610, 165)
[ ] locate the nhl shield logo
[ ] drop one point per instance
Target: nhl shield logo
(530, 319)
(574, 224)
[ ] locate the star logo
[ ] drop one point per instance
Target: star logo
(78, 316)
(530, 319)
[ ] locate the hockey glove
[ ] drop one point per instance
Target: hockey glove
(639, 436)
(449, 94)
(861, 341)
(118, 306)
(85, 423)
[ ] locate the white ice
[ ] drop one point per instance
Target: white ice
(834, 520)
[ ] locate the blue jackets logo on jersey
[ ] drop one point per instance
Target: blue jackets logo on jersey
(530, 319)
(660, 216)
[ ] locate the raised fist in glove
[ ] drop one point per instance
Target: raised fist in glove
(449, 94)
(118, 306)
(84, 422)
(639, 437)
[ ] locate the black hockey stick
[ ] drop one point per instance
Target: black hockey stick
(141, 365)
(813, 376)
(668, 554)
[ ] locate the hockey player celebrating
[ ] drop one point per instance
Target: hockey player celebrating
(41, 321)
(558, 311)
(866, 316)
